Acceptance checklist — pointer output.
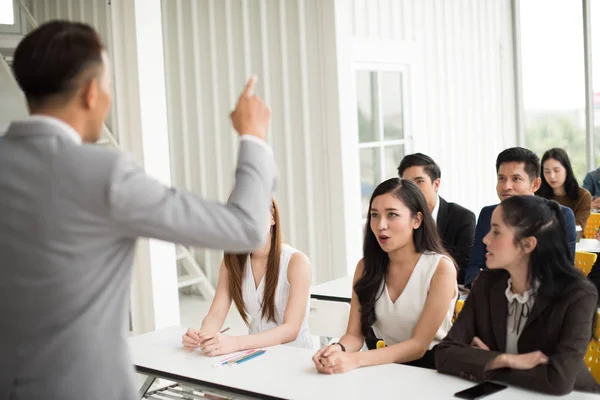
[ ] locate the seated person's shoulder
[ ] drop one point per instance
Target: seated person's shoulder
(300, 259)
(299, 267)
(486, 212)
(583, 287)
(488, 277)
(585, 194)
(446, 267)
(567, 212)
(457, 209)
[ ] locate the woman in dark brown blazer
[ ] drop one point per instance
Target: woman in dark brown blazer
(528, 319)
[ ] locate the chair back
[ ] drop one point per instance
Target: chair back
(591, 226)
(584, 261)
(328, 318)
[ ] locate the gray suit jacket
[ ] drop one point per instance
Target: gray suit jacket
(69, 218)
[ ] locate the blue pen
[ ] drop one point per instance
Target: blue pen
(251, 356)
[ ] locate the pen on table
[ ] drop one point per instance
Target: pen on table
(234, 357)
(243, 356)
(249, 357)
(380, 344)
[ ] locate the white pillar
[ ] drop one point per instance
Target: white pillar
(345, 208)
(140, 96)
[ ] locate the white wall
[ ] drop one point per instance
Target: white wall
(461, 105)
(461, 98)
(211, 47)
(462, 86)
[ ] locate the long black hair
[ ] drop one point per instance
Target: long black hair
(571, 186)
(550, 262)
(376, 261)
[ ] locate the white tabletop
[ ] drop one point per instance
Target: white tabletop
(336, 290)
(591, 245)
(288, 372)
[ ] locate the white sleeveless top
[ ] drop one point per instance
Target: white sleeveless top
(396, 322)
(253, 298)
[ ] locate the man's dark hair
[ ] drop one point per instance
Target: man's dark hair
(420, 160)
(55, 59)
(520, 155)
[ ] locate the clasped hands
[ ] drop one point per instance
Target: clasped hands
(212, 344)
(332, 360)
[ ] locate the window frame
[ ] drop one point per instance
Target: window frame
(589, 90)
(380, 142)
(17, 26)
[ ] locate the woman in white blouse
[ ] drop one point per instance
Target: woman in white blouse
(270, 288)
(528, 319)
(404, 287)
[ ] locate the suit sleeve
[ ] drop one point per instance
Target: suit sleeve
(559, 375)
(464, 239)
(454, 355)
(588, 183)
(594, 275)
(477, 260)
(584, 208)
(141, 206)
(570, 229)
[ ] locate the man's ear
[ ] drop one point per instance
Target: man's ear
(90, 92)
(436, 184)
(537, 182)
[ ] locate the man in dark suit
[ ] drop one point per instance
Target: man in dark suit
(518, 173)
(456, 224)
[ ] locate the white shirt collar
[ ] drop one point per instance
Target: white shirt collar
(63, 126)
(436, 209)
(524, 298)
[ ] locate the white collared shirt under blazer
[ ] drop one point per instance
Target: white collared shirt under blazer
(396, 321)
(253, 298)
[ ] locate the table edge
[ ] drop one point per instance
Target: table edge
(330, 298)
(212, 385)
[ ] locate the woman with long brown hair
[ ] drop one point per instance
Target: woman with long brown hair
(270, 288)
(404, 288)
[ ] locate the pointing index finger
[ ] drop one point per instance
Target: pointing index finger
(249, 89)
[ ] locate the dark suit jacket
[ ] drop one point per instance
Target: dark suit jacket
(594, 275)
(561, 328)
(456, 226)
(484, 221)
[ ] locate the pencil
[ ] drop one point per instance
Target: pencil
(222, 331)
(233, 357)
(242, 356)
(249, 357)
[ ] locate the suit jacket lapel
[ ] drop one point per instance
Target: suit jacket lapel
(499, 312)
(539, 305)
(442, 218)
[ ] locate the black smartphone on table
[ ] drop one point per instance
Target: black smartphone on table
(480, 391)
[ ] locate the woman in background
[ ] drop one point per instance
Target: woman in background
(270, 288)
(559, 183)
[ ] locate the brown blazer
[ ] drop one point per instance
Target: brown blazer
(561, 328)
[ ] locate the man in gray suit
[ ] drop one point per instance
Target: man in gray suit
(71, 213)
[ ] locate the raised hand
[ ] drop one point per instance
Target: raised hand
(251, 115)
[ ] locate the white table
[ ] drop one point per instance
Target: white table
(285, 372)
(336, 290)
(591, 245)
